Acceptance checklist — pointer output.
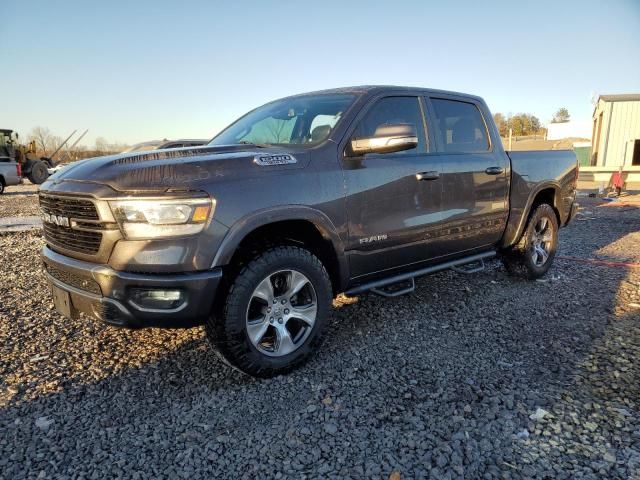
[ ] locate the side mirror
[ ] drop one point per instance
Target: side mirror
(387, 138)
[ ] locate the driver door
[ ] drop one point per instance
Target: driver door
(392, 203)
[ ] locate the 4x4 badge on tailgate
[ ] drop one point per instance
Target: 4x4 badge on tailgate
(274, 159)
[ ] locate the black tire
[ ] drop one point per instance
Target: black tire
(524, 259)
(227, 326)
(1, 186)
(39, 172)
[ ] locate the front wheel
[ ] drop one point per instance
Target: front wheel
(533, 255)
(274, 314)
(39, 172)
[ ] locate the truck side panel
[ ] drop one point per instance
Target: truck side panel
(533, 172)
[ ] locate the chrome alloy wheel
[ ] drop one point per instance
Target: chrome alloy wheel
(281, 313)
(541, 241)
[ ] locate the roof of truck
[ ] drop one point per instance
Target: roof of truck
(374, 89)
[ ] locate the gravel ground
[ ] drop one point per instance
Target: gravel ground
(471, 376)
(19, 201)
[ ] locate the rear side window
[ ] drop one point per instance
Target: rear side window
(393, 110)
(459, 126)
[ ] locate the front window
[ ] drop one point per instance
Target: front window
(303, 120)
(393, 110)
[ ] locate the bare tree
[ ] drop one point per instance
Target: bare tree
(101, 144)
(47, 143)
(117, 147)
(501, 123)
(43, 139)
(105, 147)
(56, 141)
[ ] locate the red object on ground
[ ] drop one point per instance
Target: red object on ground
(617, 181)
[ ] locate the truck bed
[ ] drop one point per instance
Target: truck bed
(533, 171)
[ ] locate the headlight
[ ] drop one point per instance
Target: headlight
(154, 218)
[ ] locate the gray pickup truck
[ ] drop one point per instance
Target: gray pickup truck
(346, 190)
(9, 173)
(10, 170)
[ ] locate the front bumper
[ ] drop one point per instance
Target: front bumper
(104, 293)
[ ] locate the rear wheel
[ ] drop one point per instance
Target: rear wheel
(274, 314)
(534, 253)
(1, 185)
(39, 172)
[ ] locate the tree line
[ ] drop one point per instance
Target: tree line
(46, 143)
(523, 124)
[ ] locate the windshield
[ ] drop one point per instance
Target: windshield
(304, 120)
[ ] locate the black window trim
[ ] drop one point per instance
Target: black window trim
(432, 118)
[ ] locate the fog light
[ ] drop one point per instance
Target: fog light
(157, 299)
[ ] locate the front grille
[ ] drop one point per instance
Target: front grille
(80, 241)
(91, 226)
(74, 280)
(68, 207)
(78, 212)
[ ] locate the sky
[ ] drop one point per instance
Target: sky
(133, 71)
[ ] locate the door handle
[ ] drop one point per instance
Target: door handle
(494, 170)
(433, 175)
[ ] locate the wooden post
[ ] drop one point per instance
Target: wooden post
(510, 135)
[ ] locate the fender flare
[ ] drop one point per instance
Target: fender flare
(240, 229)
(511, 238)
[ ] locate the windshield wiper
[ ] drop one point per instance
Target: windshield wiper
(259, 145)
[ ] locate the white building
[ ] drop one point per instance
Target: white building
(616, 131)
(570, 129)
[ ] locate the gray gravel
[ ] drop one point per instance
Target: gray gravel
(472, 376)
(19, 201)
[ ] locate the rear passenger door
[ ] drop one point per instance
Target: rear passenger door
(474, 175)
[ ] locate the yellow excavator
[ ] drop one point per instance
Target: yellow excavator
(33, 167)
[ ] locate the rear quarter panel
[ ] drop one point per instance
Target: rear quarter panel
(533, 172)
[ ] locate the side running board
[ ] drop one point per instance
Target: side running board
(474, 267)
(379, 287)
(389, 292)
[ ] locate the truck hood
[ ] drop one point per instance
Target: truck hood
(178, 169)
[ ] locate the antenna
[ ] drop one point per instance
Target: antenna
(75, 143)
